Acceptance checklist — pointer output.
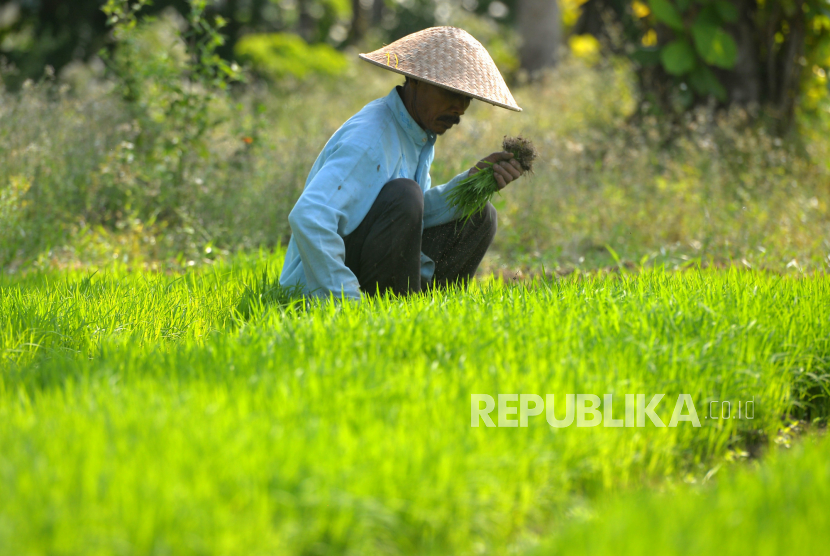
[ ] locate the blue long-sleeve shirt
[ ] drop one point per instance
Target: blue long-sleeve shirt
(378, 144)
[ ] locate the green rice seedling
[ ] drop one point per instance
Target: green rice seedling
(477, 189)
(768, 508)
(262, 292)
(474, 191)
(139, 413)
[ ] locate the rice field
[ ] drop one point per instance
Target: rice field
(205, 413)
(776, 507)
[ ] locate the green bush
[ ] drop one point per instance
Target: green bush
(284, 55)
(171, 79)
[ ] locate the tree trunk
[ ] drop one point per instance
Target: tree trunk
(306, 24)
(360, 21)
(790, 69)
(744, 83)
(540, 27)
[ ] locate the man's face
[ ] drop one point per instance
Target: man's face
(438, 108)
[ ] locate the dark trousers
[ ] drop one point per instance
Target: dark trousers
(384, 251)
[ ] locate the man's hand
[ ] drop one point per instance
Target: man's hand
(505, 168)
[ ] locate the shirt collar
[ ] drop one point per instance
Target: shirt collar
(415, 132)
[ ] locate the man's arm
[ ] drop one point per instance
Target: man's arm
(322, 249)
(332, 200)
(437, 210)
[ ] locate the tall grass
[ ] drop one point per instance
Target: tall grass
(721, 189)
(143, 413)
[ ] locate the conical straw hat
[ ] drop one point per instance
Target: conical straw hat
(450, 58)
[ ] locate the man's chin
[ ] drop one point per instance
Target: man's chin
(442, 127)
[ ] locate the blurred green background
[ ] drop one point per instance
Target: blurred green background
(172, 133)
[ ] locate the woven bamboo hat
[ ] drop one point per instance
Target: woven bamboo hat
(450, 58)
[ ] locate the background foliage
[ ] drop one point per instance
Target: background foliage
(751, 53)
(773, 52)
(159, 149)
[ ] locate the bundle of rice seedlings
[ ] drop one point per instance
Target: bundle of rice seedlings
(473, 192)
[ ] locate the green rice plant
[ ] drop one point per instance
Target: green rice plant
(474, 191)
(772, 507)
(264, 291)
(139, 413)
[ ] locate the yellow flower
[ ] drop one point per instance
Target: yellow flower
(640, 9)
(585, 47)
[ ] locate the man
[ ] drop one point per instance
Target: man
(367, 220)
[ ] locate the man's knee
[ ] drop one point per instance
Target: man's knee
(404, 198)
(487, 218)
